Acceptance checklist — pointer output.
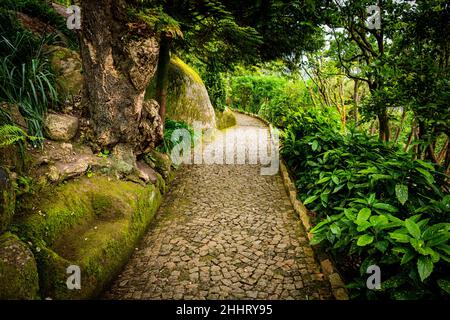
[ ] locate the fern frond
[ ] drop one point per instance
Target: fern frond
(10, 134)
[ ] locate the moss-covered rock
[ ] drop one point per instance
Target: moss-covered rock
(187, 97)
(94, 223)
(68, 68)
(18, 272)
(226, 119)
(7, 199)
(160, 162)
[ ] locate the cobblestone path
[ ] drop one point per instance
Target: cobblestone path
(223, 232)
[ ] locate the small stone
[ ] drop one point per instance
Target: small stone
(60, 127)
(327, 267)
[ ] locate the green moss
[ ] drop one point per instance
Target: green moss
(187, 98)
(7, 199)
(226, 119)
(162, 164)
(18, 272)
(96, 228)
(186, 69)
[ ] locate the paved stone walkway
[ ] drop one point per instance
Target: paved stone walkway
(223, 232)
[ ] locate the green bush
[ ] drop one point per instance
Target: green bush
(27, 81)
(374, 204)
(169, 127)
(268, 96)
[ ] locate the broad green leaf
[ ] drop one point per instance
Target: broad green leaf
(335, 229)
(413, 228)
(385, 207)
(310, 199)
(401, 191)
(425, 164)
(317, 238)
(426, 174)
(315, 145)
(335, 179)
(425, 267)
(394, 282)
(419, 245)
(435, 230)
(349, 214)
(377, 221)
(319, 226)
(376, 177)
(364, 214)
(399, 237)
(407, 257)
(382, 245)
(362, 225)
(324, 198)
(439, 239)
(444, 285)
(364, 240)
(323, 180)
(445, 248)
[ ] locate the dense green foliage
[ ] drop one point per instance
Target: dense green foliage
(169, 127)
(26, 79)
(364, 119)
(269, 96)
(368, 149)
(374, 203)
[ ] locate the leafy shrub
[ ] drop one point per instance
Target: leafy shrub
(10, 134)
(215, 84)
(28, 84)
(249, 93)
(374, 204)
(268, 96)
(170, 126)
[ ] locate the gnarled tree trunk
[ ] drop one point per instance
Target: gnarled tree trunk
(119, 61)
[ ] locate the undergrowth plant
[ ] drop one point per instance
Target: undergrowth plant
(169, 127)
(374, 204)
(29, 84)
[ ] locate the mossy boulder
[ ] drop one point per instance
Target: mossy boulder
(18, 272)
(94, 223)
(187, 97)
(226, 119)
(161, 163)
(68, 69)
(7, 199)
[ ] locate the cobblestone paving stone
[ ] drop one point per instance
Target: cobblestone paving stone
(223, 232)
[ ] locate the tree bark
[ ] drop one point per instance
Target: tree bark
(119, 61)
(384, 129)
(356, 99)
(162, 78)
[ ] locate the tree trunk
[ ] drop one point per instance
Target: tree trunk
(162, 78)
(384, 131)
(356, 99)
(119, 61)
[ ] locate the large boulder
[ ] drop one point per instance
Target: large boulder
(60, 127)
(94, 223)
(187, 97)
(7, 199)
(18, 272)
(68, 68)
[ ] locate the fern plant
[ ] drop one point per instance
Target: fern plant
(11, 134)
(28, 84)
